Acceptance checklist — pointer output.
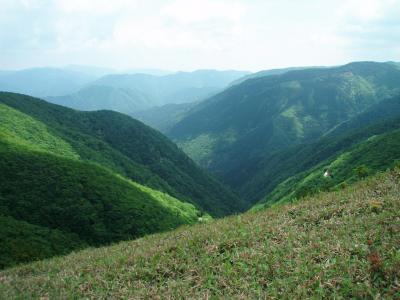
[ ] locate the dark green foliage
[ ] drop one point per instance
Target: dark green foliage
(356, 160)
(79, 198)
(62, 180)
(23, 242)
(268, 172)
(362, 171)
(132, 149)
(261, 116)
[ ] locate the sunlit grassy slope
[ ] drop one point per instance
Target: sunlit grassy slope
(335, 245)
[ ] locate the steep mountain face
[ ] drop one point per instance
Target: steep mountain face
(329, 164)
(260, 177)
(43, 82)
(237, 128)
(131, 149)
(128, 93)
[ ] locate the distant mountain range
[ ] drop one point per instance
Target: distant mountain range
(129, 93)
(43, 82)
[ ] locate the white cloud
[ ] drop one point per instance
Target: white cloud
(192, 11)
(245, 34)
(97, 7)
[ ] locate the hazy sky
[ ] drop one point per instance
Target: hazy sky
(193, 34)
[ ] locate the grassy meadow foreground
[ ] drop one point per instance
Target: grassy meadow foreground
(340, 244)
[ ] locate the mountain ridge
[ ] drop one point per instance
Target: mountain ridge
(230, 131)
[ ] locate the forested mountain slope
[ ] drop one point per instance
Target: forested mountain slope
(260, 176)
(132, 149)
(332, 164)
(70, 179)
(51, 205)
(237, 128)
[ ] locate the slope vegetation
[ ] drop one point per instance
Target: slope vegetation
(65, 184)
(130, 149)
(336, 245)
(260, 177)
(51, 202)
(266, 114)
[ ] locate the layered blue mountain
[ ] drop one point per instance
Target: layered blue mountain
(129, 93)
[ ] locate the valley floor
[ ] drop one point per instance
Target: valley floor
(341, 244)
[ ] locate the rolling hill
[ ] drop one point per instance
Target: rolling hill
(232, 132)
(91, 178)
(342, 244)
(130, 148)
(70, 204)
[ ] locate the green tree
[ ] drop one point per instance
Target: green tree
(361, 171)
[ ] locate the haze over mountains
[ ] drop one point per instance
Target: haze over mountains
(93, 88)
(43, 82)
(129, 93)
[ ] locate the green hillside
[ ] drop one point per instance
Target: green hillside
(60, 204)
(372, 154)
(337, 245)
(261, 176)
(66, 181)
(22, 242)
(267, 114)
(131, 149)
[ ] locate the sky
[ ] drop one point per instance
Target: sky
(197, 34)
